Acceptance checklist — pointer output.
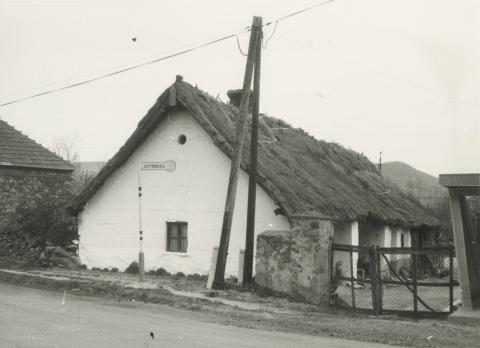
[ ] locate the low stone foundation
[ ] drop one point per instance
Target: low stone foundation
(295, 262)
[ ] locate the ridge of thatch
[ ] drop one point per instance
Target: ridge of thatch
(299, 172)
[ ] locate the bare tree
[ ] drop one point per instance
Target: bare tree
(65, 147)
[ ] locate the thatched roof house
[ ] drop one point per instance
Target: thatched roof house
(299, 172)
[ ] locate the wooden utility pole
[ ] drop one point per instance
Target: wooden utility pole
(219, 279)
(252, 183)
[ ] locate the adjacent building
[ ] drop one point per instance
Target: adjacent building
(27, 169)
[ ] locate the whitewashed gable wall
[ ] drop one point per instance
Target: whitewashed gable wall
(195, 193)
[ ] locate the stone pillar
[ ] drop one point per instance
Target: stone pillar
(295, 262)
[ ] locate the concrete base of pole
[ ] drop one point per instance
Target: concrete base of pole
(213, 268)
(141, 265)
(241, 266)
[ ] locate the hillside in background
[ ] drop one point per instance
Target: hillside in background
(424, 187)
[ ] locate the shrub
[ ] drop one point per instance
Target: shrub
(197, 276)
(132, 268)
(43, 217)
(161, 272)
(151, 272)
(83, 266)
(106, 269)
(179, 275)
(114, 270)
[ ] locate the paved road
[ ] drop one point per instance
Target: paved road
(35, 318)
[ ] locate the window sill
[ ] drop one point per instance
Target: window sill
(176, 253)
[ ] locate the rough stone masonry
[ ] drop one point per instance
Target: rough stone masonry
(295, 262)
(20, 186)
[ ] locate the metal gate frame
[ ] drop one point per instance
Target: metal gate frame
(376, 281)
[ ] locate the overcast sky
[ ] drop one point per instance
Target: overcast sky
(401, 77)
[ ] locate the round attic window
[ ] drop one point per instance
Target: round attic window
(182, 139)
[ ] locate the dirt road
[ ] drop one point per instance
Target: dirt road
(35, 318)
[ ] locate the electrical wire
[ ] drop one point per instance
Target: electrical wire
(223, 38)
(271, 35)
(123, 70)
(304, 10)
(288, 16)
(239, 47)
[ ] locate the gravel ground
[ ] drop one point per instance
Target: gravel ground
(271, 313)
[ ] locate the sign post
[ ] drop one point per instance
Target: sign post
(168, 166)
(141, 256)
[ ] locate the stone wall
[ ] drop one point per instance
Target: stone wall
(295, 262)
(22, 186)
(17, 184)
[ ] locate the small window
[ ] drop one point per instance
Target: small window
(402, 240)
(182, 139)
(177, 237)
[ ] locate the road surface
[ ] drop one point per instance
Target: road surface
(36, 318)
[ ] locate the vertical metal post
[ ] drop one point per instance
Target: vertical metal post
(414, 274)
(252, 183)
(141, 256)
(450, 272)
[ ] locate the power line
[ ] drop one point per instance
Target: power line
(123, 70)
(291, 15)
(223, 38)
(239, 47)
(304, 10)
(271, 35)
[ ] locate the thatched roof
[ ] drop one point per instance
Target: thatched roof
(299, 173)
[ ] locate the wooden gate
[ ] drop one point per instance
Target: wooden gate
(382, 280)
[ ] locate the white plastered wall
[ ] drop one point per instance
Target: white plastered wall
(345, 233)
(385, 236)
(397, 259)
(195, 193)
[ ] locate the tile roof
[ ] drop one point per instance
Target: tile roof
(18, 150)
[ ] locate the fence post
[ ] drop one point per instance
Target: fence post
(330, 269)
(352, 282)
(414, 274)
(379, 281)
(450, 272)
(374, 278)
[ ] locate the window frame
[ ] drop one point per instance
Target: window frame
(179, 239)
